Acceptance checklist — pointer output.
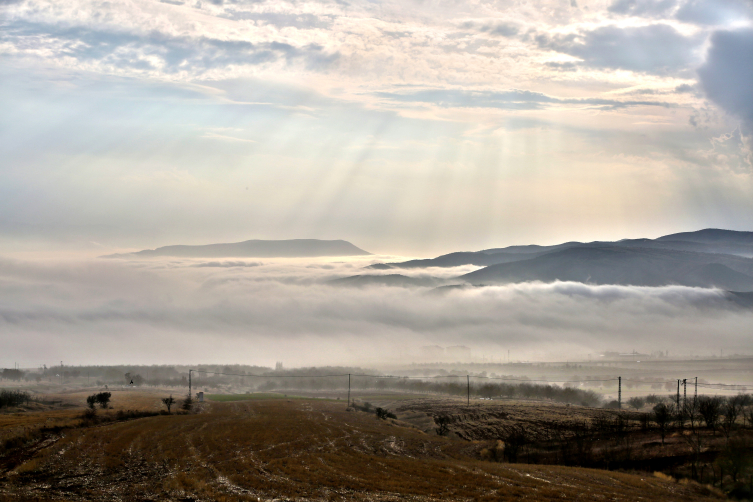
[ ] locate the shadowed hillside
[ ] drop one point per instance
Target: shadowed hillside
(626, 266)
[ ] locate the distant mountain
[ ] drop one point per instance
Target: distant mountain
(601, 264)
(712, 235)
(703, 241)
(295, 248)
(386, 280)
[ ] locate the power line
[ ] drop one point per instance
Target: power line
(458, 377)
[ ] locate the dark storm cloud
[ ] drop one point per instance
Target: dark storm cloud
(727, 75)
(175, 53)
(510, 100)
(657, 48)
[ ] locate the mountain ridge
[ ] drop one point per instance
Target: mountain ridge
(710, 240)
(624, 266)
(254, 248)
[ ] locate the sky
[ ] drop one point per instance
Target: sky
(414, 127)
(409, 128)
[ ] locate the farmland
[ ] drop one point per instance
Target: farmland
(293, 449)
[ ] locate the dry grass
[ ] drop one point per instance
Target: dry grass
(483, 420)
(297, 449)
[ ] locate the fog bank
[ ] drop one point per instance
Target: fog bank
(261, 311)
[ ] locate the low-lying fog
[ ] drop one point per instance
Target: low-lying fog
(112, 311)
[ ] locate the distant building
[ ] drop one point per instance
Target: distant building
(278, 366)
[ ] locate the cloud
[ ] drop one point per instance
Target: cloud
(301, 21)
(633, 48)
(500, 28)
(727, 74)
(732, 150)
(179, 311)
(157, 51)
(715, 12)
(513, 99)
(644, 8)
(227, 264)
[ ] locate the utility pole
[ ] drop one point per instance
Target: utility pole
(695, 397)
(678, 396)
(619, 393)
(189, 383)
(348, 390)
(468, 378)
(685, 393)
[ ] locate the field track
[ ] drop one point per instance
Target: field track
(297, 450)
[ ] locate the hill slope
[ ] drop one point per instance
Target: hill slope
(298, 450)
(626, 266)
(703, 241)
(294, 248)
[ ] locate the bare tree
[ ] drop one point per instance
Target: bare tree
(736, 457)
(663, 414)
(168, 401)
(695, 438)
(730, 410)
(709, 408)
(692, 413)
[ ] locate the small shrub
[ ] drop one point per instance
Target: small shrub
(636, 402)
(383, 414)
(103, 398)
(168, 402)
(443, 425)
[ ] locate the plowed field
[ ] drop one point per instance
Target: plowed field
(296, 450)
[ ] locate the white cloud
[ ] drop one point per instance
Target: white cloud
(172, 311)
